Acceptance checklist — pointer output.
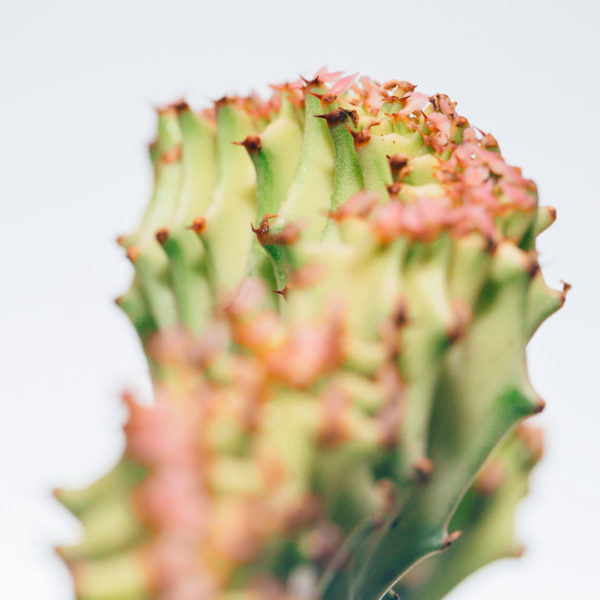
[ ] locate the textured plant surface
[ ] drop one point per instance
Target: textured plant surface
(334, 289)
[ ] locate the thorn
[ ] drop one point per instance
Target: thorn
(284, 291)
(118, 300)
(133, 253)
(361, 138)
(461, 317)
(288, 235)
(339, 115)
(532, 266)
(491, 243)
(198, 225)
(167, 110)
(539, 407)
(552, 212)
(533, 438)
(162, 235)
(450, 539)
(400, 314)
(399, 166)
(222, 101)
(179, 106)
(490, 479)
(519, 550)
(121, 239)
(565, 291)
(324, 98)
(394, 595)
(311, 82)
(404, 86)
(172, 155)
(394, 188)
(423, 469)
(252, 143)
(263, 227)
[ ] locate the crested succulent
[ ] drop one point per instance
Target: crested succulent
(334, 289)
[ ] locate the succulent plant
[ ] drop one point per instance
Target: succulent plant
(334, 289)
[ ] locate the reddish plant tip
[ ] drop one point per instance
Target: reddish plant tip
(489, 141)
(532, 266)
(133, 253)
(533, 438)
(167, 111)
(252, 144)
(162, 235)
(223, 101)
(284, 291)
(315, 82)
(288, 235)
(540, 405)
(263, 227)
(179, 106)
(361, 138)
(325, 99)
(172, 155)
(423, 470)
(339, 115)
(461, 317)
(400, 314)
(442, 103)
(565, 291)
(198, 225)
(394, 188)
(404, 87)
(491, 478)
(399, 166)
(450, 539)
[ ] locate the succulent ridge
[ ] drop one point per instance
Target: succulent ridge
(334, 288)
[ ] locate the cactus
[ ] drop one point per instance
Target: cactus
(334, 289)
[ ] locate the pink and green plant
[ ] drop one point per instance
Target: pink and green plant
(334, 289)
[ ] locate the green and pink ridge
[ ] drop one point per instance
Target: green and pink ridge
(334, 288)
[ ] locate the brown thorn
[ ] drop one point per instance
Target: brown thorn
(361, 138)
(172, 155)
(252, 143)
(552, 211)
(400, 314)
(162, 235)
(284, 291)
(565, 291)
(311, 82)
(198, 225)
(461, 317)
(133, 253)
(532, 266)
(423, 470)
(450, 539)
(539, 407)
(179, 106)
(339, 115)
(121, 239)
(399, 165)
(394, 188)
(490, 479)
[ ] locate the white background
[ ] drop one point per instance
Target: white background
(77, 88)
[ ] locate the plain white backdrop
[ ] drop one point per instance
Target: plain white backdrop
(78, 84)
